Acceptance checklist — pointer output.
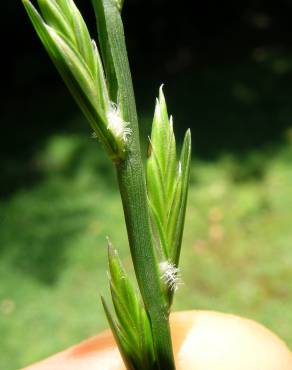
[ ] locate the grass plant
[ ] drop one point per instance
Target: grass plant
(100, 81)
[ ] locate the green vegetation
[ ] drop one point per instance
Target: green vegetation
(236, 254)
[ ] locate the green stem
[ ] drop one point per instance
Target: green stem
(132, 188)
(131, 179)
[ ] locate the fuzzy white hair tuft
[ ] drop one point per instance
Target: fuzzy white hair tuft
(116, 124)
(170, 274)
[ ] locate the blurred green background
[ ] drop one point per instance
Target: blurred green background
(228, 75)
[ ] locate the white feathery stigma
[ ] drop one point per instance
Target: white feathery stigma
(116, 124)
(170, 275)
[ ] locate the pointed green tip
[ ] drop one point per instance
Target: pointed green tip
(161, 94)
(102, 301)
(188, 136)
(27, 4)
(187, 144)
(104, 305)
(112, 252)
(161, 109)
(109, 243)
(106, 309)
